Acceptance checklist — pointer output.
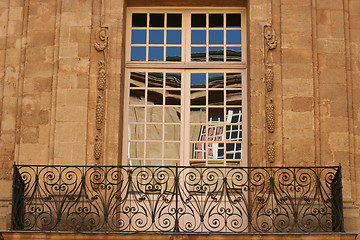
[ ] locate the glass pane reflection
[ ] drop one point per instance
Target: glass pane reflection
(174, 20)
(198, 115)
(156, 20)
(198, 98)
(173, 80)
(198, 37)
(156, 37)
(233, 80)
(233, 20)
(139, 19)
(216, 20)
(198, 20)
(138, 36)
(233, 97)
(216, 80)
(233, 54)
(172, 132)
(138, 53)
(137, 79)
(216, 54)
(216, 36)
(156, 54)
(198, 54)
(173, 36)
(233, 37)
(216, 97)
(173, 54)
(198, 80)
(156, 79)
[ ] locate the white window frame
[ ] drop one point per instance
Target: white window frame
(186, 66)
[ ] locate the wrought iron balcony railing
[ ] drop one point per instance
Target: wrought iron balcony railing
(177, 199)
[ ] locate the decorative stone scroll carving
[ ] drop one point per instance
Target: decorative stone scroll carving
(270, 36)
(269, 79)
(270, 115)
(101, 43)
(101, 39)
(270, 151)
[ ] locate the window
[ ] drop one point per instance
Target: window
(185, 87)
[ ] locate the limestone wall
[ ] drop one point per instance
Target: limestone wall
(49, 70)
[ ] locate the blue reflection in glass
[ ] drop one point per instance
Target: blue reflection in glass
(233, 53)
(156, 54)
(233, 37)
(198, 37)
(156, 36)
(216, 54)
(138, 53)
(173, 54)
(216, 36)
(173, 36)
(198, 54)
(198, 80)
(138, 37)
(216, 80)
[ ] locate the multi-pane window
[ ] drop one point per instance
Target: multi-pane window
(186, 87)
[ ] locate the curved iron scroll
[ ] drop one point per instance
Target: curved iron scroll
(177, 199)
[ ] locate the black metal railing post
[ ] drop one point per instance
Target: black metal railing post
(17, 214)
(337, 202)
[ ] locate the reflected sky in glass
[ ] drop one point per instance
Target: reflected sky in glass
(173, 37)
(216, 54)
(138, 53)
(156, 54)
(198, 80)
(198, 37)
(173, 54)
(138, 37)
(233, 54)
(233, 37)
(216, 36)
(156, 36)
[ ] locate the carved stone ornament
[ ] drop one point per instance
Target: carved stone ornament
(270, 151)
(101, 83)
(269, 79)
(270, 115)
(101, 39)
(270, 36)
(98, 147)
(100, 110)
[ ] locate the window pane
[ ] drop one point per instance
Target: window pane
(155, 97)
(234, 115)
(154, 132)
(198, 80)
(233, 20)
(138, 37)
(153, 150)
(156, 36)
(233, 97)
(216, 20)
(198, 98)
(198, 115)
(198, 54)
(173, 97)
(173, 80)
(216, 115)
(198, 37)
(216, 54)
(172, 132)
(139, 19)
(138, 53)
(233, 80)
(136, 149)
(156, 20)
(136, 114)
(233, 54)
(216, 97)
(137, 79)
(174, 20)
(172, 150)
(172, 114)
(137, 97)
(154, 114)
(173, 54)
(136, 132)
(233, 37)
(156, 54)
(198, 20)
(173, 36)
(156, 79)
(216, 80)
(216, 37)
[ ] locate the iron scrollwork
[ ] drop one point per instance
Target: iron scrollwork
(178, 199)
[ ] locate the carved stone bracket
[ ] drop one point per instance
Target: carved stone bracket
(100, 45)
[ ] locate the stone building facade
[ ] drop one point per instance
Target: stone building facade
(303, 83)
